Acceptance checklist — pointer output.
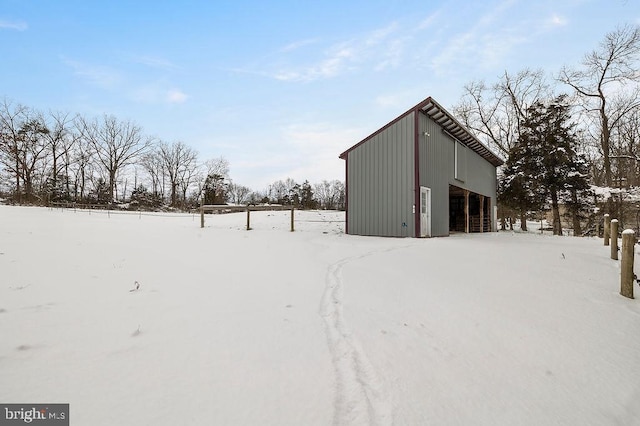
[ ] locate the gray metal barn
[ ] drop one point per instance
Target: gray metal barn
(421, 175)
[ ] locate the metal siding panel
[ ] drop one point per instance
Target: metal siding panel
(388, 218)
(379, 172)
(407, 194)
(436, 164)
(445, 170)
(481, 175)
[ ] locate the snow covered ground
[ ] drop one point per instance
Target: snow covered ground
(314, 327)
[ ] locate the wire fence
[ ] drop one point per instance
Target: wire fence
(110, 209)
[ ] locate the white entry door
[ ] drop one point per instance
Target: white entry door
(425, 211)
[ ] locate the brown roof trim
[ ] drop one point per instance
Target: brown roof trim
(447, 122)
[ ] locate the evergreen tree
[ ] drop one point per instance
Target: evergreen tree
(215, 189)
(544, 164)
(307, 200)
(294, 196)
(579, 192)
(517, 186)
(142, 199)
(100, 193)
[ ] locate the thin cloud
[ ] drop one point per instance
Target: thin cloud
(176, 96)
(298, 44)
(13, 25)
(393, 55)
(155, 62)
(99, 75)
(156, 92)
(429, 21)
(378, 49)
(148, 94)
(556, 21)
(378, 36)
(481, 44)
(337, 62)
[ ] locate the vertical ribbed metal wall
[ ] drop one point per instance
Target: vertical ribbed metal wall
(437, 172)
(381, 180)
(481, 176)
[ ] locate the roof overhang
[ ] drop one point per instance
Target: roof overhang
(449, 124)
(453, 128)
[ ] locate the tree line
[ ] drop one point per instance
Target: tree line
(60, 157)
(567, 137)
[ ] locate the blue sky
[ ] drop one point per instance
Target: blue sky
(280, 88)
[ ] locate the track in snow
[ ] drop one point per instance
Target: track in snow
(360, 395)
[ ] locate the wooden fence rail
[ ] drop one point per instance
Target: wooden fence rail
(214, 208)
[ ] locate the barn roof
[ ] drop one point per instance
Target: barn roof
(448, 123)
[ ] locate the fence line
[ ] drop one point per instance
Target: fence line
(108, 210)
(230, 209)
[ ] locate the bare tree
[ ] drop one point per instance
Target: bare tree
(178, 161)
(281, 191)
(12, 117)
(152, 163)
(277, 191)
(494, 113)
(60, 140)
(188, 176)
(627, 150)
(217, 166)
(116, 144)
(323, 194)
(22, 144)
(339, 192)
(238, 194)
(329, 194)
(610, 72)
(81, 161)
(69, 149)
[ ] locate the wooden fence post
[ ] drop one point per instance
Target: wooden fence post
(292, 209)
(248, 219)
(626, 265)
(607, 224)
(614, 239)
(466, 211)
(202, 212)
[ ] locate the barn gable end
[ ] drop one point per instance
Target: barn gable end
(423, 151)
